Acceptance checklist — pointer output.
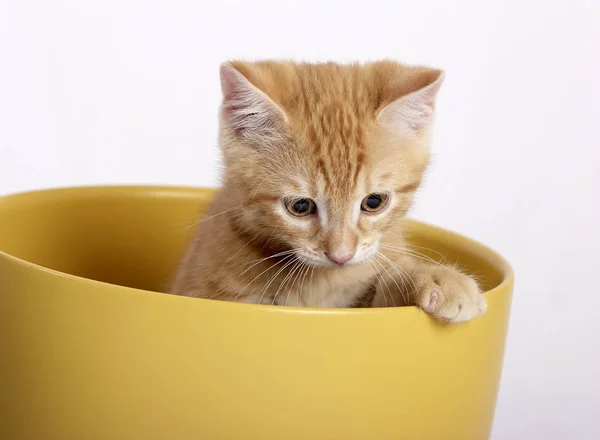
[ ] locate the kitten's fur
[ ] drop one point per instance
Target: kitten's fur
(335, 134)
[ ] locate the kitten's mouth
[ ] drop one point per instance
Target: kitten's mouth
(320, 259)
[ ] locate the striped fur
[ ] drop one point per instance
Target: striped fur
(329, 132)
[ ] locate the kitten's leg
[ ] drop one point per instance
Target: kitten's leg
(442, 291)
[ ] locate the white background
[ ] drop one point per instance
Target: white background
(98, 92)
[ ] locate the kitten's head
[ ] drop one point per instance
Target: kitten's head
(323, 158)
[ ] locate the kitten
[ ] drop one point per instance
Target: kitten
(321, 163)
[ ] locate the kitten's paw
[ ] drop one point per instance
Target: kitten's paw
(449, 295)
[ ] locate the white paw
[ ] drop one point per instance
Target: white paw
(449, 295)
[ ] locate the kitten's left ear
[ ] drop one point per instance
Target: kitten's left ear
(413, 112)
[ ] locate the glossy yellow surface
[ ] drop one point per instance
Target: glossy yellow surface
(82, 357)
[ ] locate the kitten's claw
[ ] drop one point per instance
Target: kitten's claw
(449, 295)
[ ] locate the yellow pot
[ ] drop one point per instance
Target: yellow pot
(88, 351)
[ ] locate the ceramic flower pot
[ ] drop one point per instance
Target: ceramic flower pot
(89, 350)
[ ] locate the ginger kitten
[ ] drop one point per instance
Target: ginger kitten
(321, 163)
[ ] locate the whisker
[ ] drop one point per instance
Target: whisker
(310, 290)
(204, 219)
(400, 269)
(268, 239)
(413, 254)
(260, 274)
(442, 256)
(273, 278)
(291, 251)
(298, 274)
(375, 260)
(378, 280)
(296, 271)
(403, 274)
(299, 291)
(383, 282)
(395, 282)
(286, 280)
(238, 251)
(420, 256)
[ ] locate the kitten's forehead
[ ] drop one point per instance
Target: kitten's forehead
(329, 113)
(338, 158)
(332, 121)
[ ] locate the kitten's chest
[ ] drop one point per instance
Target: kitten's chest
(338, 289)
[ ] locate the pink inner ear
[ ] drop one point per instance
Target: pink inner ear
(413, 112)
(245, 108)
(229, 81)
(231, 85)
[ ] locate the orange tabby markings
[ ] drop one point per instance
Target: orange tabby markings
(321, 162)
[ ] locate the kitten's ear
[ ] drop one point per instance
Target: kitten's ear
(246, 108)
(413, 112)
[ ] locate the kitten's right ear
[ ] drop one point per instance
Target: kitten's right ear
(413, 113)
(247, 109)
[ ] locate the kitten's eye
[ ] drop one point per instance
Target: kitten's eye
(374, 202)
(301, 207)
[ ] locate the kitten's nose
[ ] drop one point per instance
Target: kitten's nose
(340, 258)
